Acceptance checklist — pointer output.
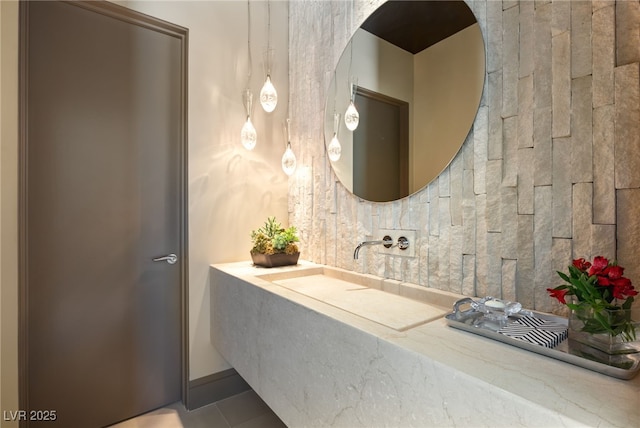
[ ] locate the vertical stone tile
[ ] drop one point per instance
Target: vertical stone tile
(542, 76)
(494, 265)
(455, 260)
(627, 32)
(469, 216)
(603, 240)
(444, 183)
(480, 151)
(604, 192)
(507, 4)
(510, 152)
(509, 268)
(627, 128)
(581, 54)
(481, 245)
(628, 232)
(525, 112)
(469, 275)
(561, 84)
(510, 62)
(509, 214)
(582, 219)
(494, 149)
(479, 9)
(526, 162)
(561, 17)
(526, 18)
(561, 188)
(434, 210)
(581, 130)
(424, 261)
(561, 259)
(456, 178)
(542, 246)
(543, 174)
(330, 240)
(444, 244)
(493, 37)
(525, 290)
(603, 46)
(410, 267)
(599, 4)
(562, 255)
(423, 219)
(434, 262)
(466, 152)
(494, 179)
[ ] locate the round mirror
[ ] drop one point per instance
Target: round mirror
(414, 71)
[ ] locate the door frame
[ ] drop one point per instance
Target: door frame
(136, 18)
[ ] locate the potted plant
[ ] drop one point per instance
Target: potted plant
(273, 245)
(600, 305)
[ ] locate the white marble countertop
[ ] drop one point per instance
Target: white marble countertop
(578, 394)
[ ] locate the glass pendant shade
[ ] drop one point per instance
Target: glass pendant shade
(248, 135)
(288, 161)
(268, 96)
(334, 149)
(288, 158)
(351, 117)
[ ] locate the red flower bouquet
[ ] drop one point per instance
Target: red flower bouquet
(601, 288)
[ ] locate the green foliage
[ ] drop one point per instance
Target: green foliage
(272, 238)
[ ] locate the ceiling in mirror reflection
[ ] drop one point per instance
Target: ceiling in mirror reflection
(416, 25)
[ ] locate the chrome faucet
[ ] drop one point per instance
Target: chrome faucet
(386, 241)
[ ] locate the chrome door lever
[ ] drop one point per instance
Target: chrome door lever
(169, 258)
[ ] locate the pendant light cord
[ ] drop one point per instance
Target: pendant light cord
(249, 42)
(268, 37)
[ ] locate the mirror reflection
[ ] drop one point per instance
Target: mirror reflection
(415, 72)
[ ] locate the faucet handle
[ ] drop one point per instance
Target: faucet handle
(387, 241)
(403, 243)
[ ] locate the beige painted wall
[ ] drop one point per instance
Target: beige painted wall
(231, 190)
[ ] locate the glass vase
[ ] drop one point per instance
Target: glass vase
(586, 327)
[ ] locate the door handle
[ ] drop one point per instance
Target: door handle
(169, 258)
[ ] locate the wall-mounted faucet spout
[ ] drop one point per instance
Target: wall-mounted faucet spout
(386, 241)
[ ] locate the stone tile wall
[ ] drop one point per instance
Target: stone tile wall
(549, 172)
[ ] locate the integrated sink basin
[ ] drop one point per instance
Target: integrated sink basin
(396, 305)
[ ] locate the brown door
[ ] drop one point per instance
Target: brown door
(381, 147)
(102, 195)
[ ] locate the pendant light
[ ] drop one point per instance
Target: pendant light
(248, 134)
(335, 148)
(268, 94)
(351, 116)
(288, 158)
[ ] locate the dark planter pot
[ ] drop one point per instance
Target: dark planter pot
(273, 260)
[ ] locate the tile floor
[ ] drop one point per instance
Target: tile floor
(245, 410)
